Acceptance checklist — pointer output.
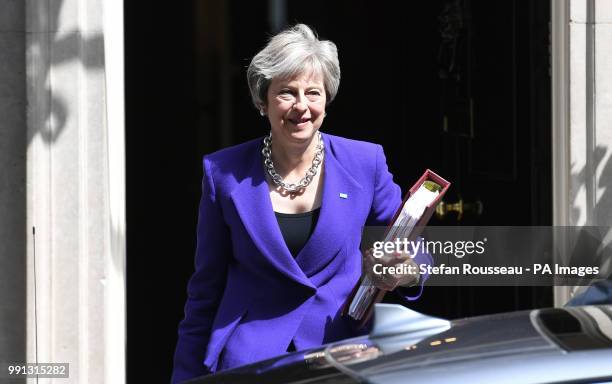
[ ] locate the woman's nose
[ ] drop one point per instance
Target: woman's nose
(299, 106)
(300, 103)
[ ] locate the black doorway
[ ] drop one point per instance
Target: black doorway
(186, 95)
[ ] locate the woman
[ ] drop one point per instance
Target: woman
(280, 220)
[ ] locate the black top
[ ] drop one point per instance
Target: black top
(297, 228)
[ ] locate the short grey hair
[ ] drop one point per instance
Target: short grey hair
(290, 53)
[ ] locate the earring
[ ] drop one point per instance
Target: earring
(261, 112)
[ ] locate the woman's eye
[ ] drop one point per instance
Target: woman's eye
(285, 95)
(314, 95)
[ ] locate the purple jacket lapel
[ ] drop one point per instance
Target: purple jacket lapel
(252, 201)
(341, 196)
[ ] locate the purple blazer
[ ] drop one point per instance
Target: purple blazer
(249, 297)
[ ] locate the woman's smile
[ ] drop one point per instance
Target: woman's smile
(300, 122)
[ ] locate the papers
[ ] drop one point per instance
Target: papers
(414, 213)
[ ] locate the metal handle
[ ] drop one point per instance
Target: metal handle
(460, 207)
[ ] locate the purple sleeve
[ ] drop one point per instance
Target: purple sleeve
(408, 293)
(387, 194)
(205, 287)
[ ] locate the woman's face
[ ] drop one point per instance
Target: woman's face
(296, 107)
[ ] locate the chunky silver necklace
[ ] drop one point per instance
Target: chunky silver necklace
(278, 180)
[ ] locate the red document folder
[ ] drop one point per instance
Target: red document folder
(424, 219)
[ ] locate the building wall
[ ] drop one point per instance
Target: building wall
(582, 112)
(62, 292)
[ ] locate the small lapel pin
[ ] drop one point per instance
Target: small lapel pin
(344, 195)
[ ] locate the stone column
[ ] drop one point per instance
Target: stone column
(582, 116)
(76, 304)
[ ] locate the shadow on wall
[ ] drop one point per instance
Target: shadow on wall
(46, 52)
(598, 211)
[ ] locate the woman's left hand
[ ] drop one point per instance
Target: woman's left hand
(385, 280)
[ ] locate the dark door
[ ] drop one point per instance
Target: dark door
(492, 138)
